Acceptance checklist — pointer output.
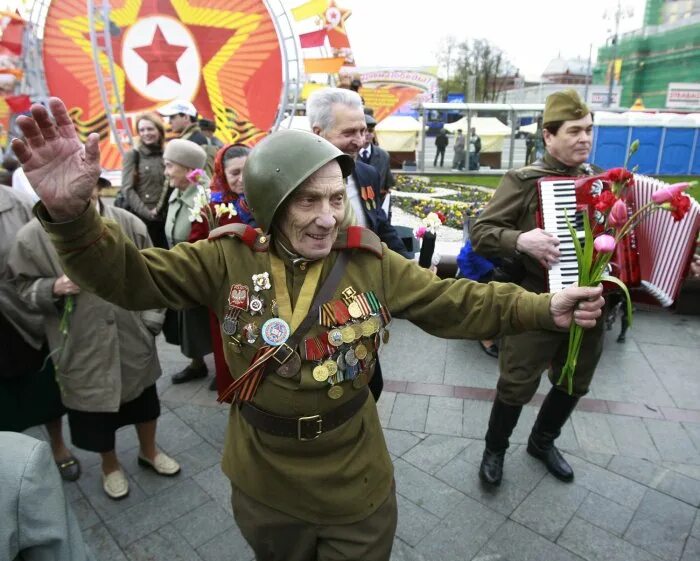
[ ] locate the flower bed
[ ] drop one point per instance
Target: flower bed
(456, 213)
(412, 184)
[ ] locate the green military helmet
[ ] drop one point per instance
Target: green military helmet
(282, 162)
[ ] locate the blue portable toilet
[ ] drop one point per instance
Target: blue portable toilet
(678, 144)
(610, 139)
(695, 156)
(648, 129)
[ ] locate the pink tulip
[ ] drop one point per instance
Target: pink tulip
(419, 232)
(618, 214)
(667, 193)
(604, 244)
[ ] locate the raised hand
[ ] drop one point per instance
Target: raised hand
(580, 304)
(62, 170)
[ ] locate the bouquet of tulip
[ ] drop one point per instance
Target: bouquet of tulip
(429, 224)
(207, 203)
(611, 222)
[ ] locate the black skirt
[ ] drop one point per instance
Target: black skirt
(94, 431)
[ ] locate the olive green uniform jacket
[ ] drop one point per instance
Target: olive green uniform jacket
(345, 474)
(523, 357)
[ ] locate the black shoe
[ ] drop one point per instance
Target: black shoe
(212, 384)
(491, 469)
(188, 374)
(551, 458)
(491, 350)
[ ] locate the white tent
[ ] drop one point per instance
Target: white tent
(530, 129)
(298, 122)
(490, 130)
(397, 133)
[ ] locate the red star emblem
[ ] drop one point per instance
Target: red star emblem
(161, 57)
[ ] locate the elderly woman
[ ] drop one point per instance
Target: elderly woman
(105, 356)
(188, 328)
(228, 183)
(143, 176)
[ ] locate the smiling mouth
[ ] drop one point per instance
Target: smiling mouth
(318, 237)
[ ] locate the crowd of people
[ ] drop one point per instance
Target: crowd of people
(289, 272)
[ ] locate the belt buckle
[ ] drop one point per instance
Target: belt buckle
(313, 419)
(287, 353)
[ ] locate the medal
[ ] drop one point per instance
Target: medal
(355, 309)
(290, 368)
(229, 325)
(375, 323)
(340, 361)
(275, 331)
(331, 367)
(335, 337)
(238, 297)
(347, 334)
(256, 305)
(235, 345)
(357, 330)
(335, 392)
(367, 328)
(361, 351)
(385, 336)
(350, 358)
(261, 281)
(348, 294)
(251, 332)
(320, 373)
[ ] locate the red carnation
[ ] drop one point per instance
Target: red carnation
(605, 201)
(679, 206)
(619, 175)
(441, 216)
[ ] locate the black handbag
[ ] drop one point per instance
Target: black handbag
(120, 200)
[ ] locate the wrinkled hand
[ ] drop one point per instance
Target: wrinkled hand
(63, 286)
(541, 245)
(582, 304)
(62, 170)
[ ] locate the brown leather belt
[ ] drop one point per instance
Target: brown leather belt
(303, 428)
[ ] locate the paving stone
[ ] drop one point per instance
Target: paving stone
(198, 458)
(671, 440)
(513, 542)
(91, 485)
(467, 365)
(595, 544)
(444, 416)
(435, 451)
(637, 469)
(154, 512)
(695, 531)
(399, 442)
(174, 436)
(84, 513)
(425, 490)
(404, 552)
(414, 522)
(475, 418)
(461, 534)
(672, 366)
(691, 470)
(204, 523)
(164, 545)
(661, 328)
(692, 550)
(227, 546)
(102, 544)
(410, 412)
(679, 486)
(605, 514)
(384, 407)
(610, 485)
(405, 357)
(596, 458)
(217, 486)
(72, 491)
(593, 433)
(632, 437)
(661, 525)
(549, 507)
(693, 431)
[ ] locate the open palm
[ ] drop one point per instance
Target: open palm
(62, 170)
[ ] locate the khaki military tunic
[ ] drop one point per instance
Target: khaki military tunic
(523, 357)
(346, 474)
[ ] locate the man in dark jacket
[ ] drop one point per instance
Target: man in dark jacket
(182, 116)
(441, 142)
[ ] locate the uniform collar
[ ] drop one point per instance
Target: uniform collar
(554, 164)
(282, 245)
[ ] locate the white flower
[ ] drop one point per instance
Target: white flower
(431, 222)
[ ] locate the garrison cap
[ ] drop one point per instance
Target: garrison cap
(565, 105)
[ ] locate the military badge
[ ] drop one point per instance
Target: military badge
(238, 297)
(275, 331)
(261, 281)
(251, 332)
(256, 305)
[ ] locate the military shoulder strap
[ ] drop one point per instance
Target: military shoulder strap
(247, 234)
(357, 237)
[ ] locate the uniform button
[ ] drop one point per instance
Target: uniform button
(262, 239)
(302, 266)
(148, 196)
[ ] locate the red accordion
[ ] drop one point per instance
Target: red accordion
(654, 256)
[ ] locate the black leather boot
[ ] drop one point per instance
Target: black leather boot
(556, 408)
(502, 421)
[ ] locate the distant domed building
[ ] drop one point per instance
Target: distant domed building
(567, 71)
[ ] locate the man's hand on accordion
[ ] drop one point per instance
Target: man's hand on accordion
(541, 245)
(582, 304)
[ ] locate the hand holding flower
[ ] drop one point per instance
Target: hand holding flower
(577, 304)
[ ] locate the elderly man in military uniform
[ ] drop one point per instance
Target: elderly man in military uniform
(303, 307)
(507, 228)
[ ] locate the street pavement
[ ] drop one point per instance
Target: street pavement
(634, 443)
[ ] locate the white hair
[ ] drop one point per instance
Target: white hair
(319, 106)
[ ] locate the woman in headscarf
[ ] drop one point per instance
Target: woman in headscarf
(226, 188)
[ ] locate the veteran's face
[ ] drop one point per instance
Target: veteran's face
(177, 175)
(573, 141)
(233, 169)
(348, 130)
(311, 217)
